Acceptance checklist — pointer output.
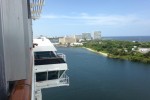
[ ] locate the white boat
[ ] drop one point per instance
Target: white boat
(49, 67)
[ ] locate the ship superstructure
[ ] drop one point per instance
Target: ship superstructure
(49, 67)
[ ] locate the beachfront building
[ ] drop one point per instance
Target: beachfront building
(78, 38)
(97, 35)
(67, 40)
(86, 36)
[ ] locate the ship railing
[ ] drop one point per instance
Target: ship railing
(36, 8)
(61, 55)
(64, 80)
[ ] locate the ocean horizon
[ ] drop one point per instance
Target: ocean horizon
(128, 38)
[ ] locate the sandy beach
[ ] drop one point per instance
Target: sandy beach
(104, 54)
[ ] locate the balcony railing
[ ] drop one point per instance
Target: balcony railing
(61, 55)
(36, 8)
(64, 79)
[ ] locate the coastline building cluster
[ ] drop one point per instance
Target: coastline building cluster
(76, 40)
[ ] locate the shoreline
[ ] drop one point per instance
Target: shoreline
(101, 53)
(114, 57)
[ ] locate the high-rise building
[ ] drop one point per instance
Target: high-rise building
(97, 35)
(86, 36)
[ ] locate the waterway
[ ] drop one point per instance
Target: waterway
(96, 77)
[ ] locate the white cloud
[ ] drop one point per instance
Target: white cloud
(102, 19)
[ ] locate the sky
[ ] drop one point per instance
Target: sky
(111, 17)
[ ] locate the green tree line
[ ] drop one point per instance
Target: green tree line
(121, 49)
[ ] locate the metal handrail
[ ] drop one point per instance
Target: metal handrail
(64, 79)
(36, 8)
(61, 55)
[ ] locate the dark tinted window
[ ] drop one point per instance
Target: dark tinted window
(42, 76)
(44, 55)
(52, 75)
(48, 61)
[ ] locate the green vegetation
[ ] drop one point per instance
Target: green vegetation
(121, 49)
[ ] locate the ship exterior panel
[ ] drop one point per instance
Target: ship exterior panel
(15, 43)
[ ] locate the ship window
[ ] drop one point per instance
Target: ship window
(44, 55)
(48, 61)
(52, 75)
(61, 72)
(42, 76)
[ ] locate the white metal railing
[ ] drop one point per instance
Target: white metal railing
(64, 79)
(36, 8)
(61, 55)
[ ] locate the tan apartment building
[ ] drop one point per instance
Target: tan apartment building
(67, 40)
